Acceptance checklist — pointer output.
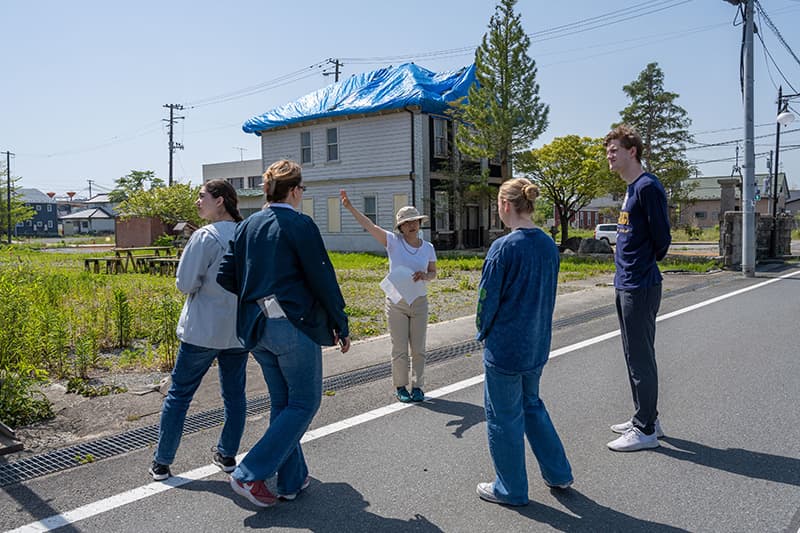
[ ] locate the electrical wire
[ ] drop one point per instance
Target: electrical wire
(774, 29)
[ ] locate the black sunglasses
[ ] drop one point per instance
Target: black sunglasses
(301, 187)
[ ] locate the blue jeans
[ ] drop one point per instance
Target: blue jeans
(514, 411)
(636, 310)
(191, 365)
(292, 367)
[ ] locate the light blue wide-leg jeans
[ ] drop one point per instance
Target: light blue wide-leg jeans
(292, 367)
(513, 411)
(191, 364)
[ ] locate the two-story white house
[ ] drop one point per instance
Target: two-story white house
(384, 137)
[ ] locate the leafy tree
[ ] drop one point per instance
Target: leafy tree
(170, 204)
(663, 125)
(133, 182)
(570, 171)
(502, 113)
(20, 211)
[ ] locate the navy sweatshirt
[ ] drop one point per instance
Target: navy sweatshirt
(643, 235)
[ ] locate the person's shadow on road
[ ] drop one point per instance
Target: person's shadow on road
(588, 515)
(333, 508)
(735, 460)
(469, 414)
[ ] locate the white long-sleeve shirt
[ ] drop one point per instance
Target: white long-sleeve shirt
(208, 317)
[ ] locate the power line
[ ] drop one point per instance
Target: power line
(774, 29)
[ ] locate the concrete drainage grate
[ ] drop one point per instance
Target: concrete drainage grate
(55, 461)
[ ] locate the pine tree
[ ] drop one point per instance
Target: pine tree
(663, 125)
(503, 114)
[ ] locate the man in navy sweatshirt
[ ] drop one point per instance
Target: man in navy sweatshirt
(643, 237)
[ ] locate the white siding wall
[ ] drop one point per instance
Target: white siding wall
(374, 160)
(368, 147)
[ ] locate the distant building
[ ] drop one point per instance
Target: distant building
(45, 221)
(246, 178)
(704, 209)
(91, 221)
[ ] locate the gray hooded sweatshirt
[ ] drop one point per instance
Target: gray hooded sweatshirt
(208, 318)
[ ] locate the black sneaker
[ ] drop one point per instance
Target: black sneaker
(159, 472)
(227, 464)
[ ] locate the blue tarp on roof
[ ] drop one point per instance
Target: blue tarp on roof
(379, 90)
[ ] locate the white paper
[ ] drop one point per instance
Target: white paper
(270, 307)
(399, 284)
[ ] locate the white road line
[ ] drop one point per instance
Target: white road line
(145, 491)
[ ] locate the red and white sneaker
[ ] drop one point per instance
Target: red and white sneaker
(256, 492)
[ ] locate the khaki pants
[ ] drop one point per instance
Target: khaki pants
(408, 325)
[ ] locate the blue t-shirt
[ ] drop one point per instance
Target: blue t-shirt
(643, 235)
(517, 295)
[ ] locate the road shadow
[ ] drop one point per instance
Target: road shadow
(330, 508)
(31, 503)
(468, 414)
(747, 463)
(588, 515)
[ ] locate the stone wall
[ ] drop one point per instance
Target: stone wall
(730, 237)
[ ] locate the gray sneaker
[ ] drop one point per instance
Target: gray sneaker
(633, 440)
(627, 426)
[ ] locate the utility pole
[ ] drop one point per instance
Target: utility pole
(241, 152)
(335, 73)
(172, 145)
(748, 192)
(8, 192)
(90, 188)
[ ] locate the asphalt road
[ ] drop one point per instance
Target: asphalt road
(730, 462)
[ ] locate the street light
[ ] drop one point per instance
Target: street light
(783, 118)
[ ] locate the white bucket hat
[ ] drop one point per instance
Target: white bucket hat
(407, 214)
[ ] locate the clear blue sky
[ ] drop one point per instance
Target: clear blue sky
(84, 82)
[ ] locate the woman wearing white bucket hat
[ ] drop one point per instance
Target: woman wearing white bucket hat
(411, 260)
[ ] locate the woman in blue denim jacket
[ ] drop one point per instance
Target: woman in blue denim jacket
(514, 319)
(207, 331)
(289, 305)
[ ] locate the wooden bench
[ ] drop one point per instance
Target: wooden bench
(163, 266)
(114, 265)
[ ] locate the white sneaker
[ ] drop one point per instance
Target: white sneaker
(627, 426)
(634, 440)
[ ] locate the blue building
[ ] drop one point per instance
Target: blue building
(45, 220)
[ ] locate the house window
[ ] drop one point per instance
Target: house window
(38, 207)
(49, 208)
(305, 147)
(254, 182)
(371, 208)
(308, 207)
(28, 223)
(333, 144)
(440, 138)
(700, 214)
(238, 183)
(334, 215)
(50, 224)
(442, 217)
(84, 223)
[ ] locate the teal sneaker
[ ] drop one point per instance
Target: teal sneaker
(403, 395)
(417, 395)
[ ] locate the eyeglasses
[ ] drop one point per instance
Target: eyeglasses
(301, 187)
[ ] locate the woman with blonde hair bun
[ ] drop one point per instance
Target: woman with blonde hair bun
(517, 296)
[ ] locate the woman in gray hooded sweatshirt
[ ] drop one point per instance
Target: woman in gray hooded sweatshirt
(207, 331)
